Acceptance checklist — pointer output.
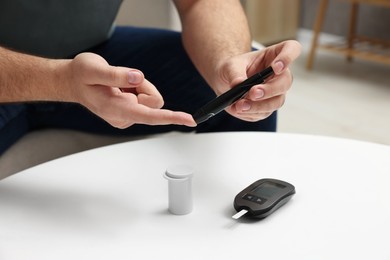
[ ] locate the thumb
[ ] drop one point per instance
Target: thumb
(287, 51)
(119, 77)
(235, 73)
(96, 70)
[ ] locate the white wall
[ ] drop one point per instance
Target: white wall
(148, 13)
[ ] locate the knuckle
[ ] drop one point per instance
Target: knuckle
(115, 121)
(156, 102)
(113, 75)
(120, 124)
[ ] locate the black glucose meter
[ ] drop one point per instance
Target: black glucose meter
(262, 198)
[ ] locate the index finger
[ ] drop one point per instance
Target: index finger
(151, 116)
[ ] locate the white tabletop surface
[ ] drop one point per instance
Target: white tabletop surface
(111, 202)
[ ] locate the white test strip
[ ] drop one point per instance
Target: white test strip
(240, 214)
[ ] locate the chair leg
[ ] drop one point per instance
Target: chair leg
(316, 32)
(352, 28)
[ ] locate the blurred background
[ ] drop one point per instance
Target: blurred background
(335, 95)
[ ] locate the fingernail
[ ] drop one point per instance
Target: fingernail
(259, 93)
(246, 106)
(278, 67)
(135, 77)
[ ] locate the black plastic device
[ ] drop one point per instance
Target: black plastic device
(229, 97)
(263, 197)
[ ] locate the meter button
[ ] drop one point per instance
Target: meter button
(254, 198)
(249, 197)
(259, 200)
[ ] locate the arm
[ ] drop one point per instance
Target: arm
(119, 95)
(213, 30)
(217, 39)
(27, 78)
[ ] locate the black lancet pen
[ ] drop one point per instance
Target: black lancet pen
(226, 99)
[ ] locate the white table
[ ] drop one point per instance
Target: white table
(111, 202)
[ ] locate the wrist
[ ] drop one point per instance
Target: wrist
(61, 87)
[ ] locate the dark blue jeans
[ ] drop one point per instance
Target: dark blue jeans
(161, 57)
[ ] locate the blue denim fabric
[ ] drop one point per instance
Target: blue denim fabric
(13, 124)
(161, 57)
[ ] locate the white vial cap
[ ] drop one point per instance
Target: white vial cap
(179, 189)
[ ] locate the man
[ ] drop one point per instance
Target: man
(134, 80)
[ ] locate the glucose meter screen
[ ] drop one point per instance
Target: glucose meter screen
(267, 189)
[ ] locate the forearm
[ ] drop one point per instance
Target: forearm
(213, 30)
(29, 78)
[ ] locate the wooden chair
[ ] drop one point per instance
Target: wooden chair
(355, 45)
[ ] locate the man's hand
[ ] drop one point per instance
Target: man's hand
(119, 95)
(262, 100)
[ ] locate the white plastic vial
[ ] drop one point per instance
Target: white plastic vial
(179, 178)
